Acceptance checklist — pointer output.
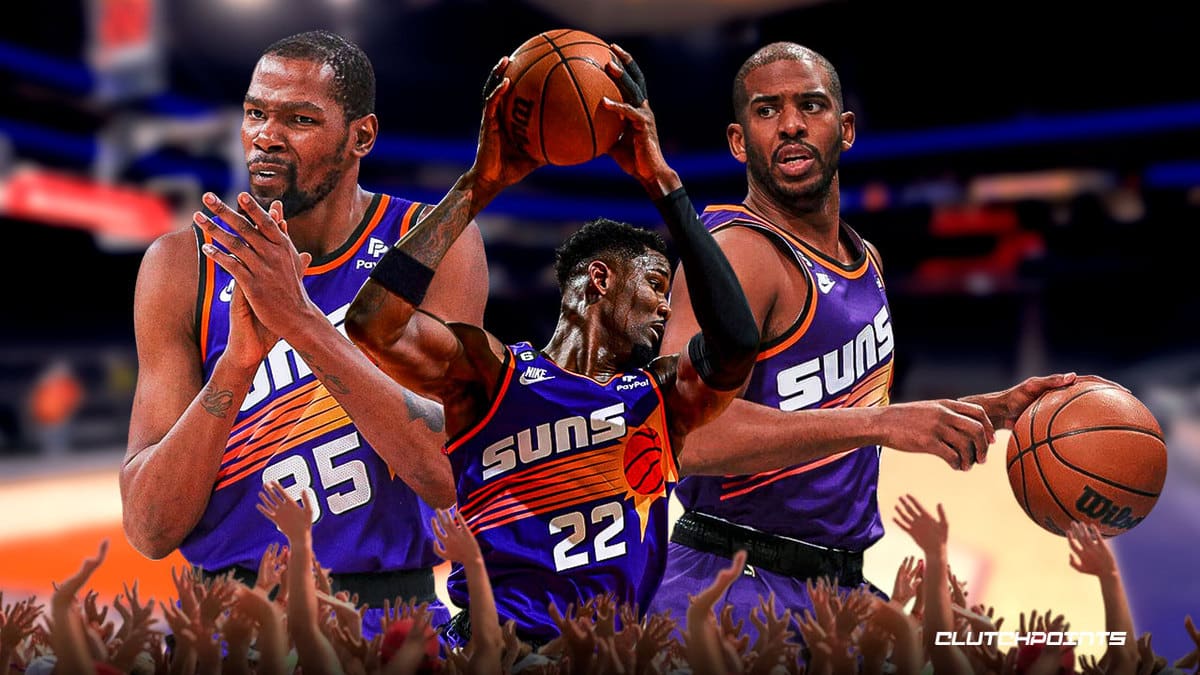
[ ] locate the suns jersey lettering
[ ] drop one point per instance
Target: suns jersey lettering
(838, 354)
(290, 429)
(564, 484)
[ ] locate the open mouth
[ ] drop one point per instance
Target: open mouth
(794, 159)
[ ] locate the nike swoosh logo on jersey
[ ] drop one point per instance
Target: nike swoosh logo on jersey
(227, 292)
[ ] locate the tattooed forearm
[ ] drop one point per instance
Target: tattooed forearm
(216, 402)
(332, 382)
(427, 411)
(428, 242)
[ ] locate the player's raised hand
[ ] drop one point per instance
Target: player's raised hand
(292, 519)
(499, 161)
(638, 152)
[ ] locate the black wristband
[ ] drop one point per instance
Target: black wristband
(403, 275)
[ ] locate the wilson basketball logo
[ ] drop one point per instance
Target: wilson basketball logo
(643, 462)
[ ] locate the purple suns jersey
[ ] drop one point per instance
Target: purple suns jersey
(564, 484)
(837, 354)
(291, 429)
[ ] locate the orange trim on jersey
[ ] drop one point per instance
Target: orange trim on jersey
(800, 243)
(510, 367)
(878, 265)
(375, 217)
(797, 330)
(275, 407)
(796, 334)
(552, 470)
(311, 428)
(510, 509)
(668, 449)
(305, 421)
(206, 304)
(279, 429)
(790, 472)
(859, 391)
(548, 496)
(406, 222)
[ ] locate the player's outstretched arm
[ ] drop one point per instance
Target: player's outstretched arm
(1004, 407)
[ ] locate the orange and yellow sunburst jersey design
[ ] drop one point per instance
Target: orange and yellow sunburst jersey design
(565, 485)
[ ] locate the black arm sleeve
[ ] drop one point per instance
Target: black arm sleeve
(723, 351)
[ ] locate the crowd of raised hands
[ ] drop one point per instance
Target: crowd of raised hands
(291, 621)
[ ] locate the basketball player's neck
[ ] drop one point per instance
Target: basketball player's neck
(582, 347)
(325, 227)
(816, 221)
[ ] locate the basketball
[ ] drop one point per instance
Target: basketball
(643, 462)
(552, 111)
(1090, 452)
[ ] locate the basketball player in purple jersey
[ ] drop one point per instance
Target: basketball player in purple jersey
(817, 402)
(239, 384)
(563, 457)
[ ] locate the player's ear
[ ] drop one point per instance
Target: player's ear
(847, 130)
(737, 141)
(365, 130)
(599, 277)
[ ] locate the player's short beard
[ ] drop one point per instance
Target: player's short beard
(297, 201)
(799, 198)
(641, 355)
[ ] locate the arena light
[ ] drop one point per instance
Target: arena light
(114, 212)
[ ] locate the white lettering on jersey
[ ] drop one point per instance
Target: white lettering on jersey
(805, 384)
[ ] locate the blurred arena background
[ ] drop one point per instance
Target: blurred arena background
(1030, 183)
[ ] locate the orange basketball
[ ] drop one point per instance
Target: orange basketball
(552, 110)
(643, 462)
(1090, 452)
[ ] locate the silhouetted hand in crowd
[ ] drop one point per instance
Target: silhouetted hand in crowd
(1192, 658)
(412, 652)
(1090, 554)
(709, 652)
(316, 654)
(904, 629)
(932, 535)
(271, 569)
(272, 643)
(73, 650)
(908, 580)
(578, 633)
(774, 645)
(16, 626)
(453, 540)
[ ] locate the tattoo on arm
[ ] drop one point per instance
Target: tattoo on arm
(433, 236)
(427, 411)
(332, 382)
(218, 402)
